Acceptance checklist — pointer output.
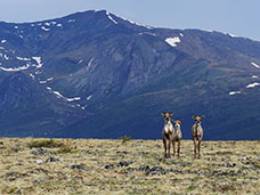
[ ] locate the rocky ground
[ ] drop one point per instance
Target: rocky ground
(86, 166)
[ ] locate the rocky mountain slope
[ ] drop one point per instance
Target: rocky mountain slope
(94, 74)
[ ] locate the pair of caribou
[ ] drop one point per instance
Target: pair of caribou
(172, 134)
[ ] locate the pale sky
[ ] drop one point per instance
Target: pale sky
(238, 17)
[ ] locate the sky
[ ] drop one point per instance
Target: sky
(238, 17)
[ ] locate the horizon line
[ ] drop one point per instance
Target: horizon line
(136, 23)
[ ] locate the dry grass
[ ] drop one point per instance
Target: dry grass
(39, 166)
(47, 143)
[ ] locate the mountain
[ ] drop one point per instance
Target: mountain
(94, 74)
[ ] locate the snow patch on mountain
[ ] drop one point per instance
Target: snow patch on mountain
(38, 61)
(38, 72)
(43, 82)
(3, 41)
(73, 99)
(38, 64)
(232, 35)
(249, 86)
(46, 81)
(80, 61)
(83, 107)
(45, 29)
(22, 58)
(59, 95)
(252, 85)
(89, 64)
(135, 23)
(173, 41)
(147, 33)
(111, 18)
(50, 79)
(16, 69)
(255, 77)
(255, 65)
(89, 97)
(231, 93)
(71, 21)
(32, 76)
(6, 57)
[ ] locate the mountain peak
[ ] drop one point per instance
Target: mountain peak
(109, 17)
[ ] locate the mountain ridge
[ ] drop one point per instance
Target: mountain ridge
(95, 62)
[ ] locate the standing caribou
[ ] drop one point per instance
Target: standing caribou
(167, 133)
(171, 134)
(177, 135)
(197, 134)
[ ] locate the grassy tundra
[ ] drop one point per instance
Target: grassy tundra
(42, 166)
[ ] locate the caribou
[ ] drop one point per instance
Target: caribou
(176, 138)
(171, 134)
(167, 133)
(197, 134)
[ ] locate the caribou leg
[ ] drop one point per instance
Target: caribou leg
(195, 147)
(179, 147)
(165, 147)
(169, 148)
(173, 147)
(199, 143)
